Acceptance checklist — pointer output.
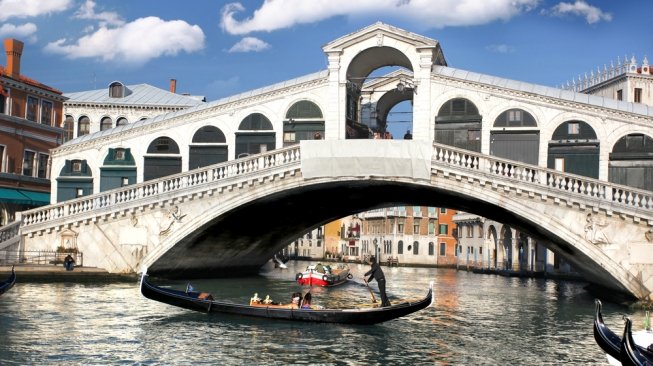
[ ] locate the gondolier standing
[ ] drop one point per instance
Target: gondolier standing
(377, 273)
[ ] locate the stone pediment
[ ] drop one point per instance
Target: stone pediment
(380, 29)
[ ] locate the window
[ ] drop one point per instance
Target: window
(120, 154)
(560, 164)
(470, 230)
(83, 126)
(46, 112)
(68, 127)
(76, 166)
(400, 247)
(638, 95)
(431, 227)
(417, 211)
(416, 228)
(42, 169)
(480, 230)
(443, 249)
(106, 123)
(3, 168)
(416, 248)
(121, 121)
(400, 227)
(116, 90)
(28, 162)
(573, 128)
(620, 94)
(288, 137)
(124, 181)
(79, 192)
(32, 108)
(444, 229)
(514, 115)
(443, 210)
(3, 102)
(431, 248)
(480, 250)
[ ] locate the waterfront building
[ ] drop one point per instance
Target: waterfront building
(30, 125)
(119, 104)
(308, 246)
(412, 235)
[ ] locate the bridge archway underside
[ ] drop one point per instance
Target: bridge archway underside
(235, 224)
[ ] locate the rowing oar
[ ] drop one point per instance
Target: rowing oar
(371, 293)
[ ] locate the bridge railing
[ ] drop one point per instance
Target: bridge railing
(170, 184)
(616, 194)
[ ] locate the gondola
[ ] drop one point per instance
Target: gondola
(192, 300)
(9, 283)
(608, 340)
(632, 354)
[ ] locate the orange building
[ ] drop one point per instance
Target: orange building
(30, 125)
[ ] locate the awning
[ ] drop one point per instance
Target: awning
(24, 197)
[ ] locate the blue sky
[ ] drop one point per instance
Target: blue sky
(220, 48)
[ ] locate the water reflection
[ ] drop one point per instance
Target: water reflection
(476, 319)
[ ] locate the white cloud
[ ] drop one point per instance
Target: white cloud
(591, 13)
(27, 30)
(136, 42)
(87, 11)
(31, 8)
(500, 48)
(279, 14)
(249, 44)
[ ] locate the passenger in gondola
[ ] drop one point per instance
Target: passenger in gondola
(377, 273)
(306, 303)
(295, 300)
(319, 268)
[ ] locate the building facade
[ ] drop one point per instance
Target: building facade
(30, 125)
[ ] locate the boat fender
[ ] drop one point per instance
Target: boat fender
(349, 276)
(299, 276)
(325, 278)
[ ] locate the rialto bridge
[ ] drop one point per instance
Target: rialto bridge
(221, 187)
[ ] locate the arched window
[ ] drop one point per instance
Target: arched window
(416, 248)
(163, 159)
(83, 126)
(458, 124)
(116, 90)
(68, 128)
(515, 118)
(208, 134)
(303, 121)
(121, 121)
(209, 147)
(431, 248)
(574, 148)
(106, 123)
(255, 135)
(163, 145)
(631, 161)
(400, 247)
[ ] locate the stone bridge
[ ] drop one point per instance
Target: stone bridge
(232, 217)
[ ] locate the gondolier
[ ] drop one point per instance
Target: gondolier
(377, 273)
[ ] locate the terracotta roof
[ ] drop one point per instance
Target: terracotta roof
(32, 82)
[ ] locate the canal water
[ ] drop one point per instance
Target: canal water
(475, 320)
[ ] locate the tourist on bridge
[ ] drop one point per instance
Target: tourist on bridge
(377, 273)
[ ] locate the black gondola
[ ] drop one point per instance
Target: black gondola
(191, 300)
(631, 353)
(9, 283)
(608, 340)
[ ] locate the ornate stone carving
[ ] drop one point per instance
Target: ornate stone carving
(593, 231)
(649, 235)
(173, 215)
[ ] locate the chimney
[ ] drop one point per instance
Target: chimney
(14, 49)
(173, 85)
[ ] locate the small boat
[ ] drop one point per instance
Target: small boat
(324, 275)
(199, 301)
(9, 283)
(631, 353)
(609, 341)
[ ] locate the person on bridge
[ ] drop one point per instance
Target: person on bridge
(377, 273)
